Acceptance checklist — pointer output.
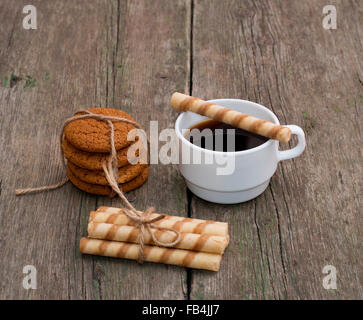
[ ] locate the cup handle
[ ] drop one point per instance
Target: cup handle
(296, 151)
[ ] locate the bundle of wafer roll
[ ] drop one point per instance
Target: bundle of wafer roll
(112, 233)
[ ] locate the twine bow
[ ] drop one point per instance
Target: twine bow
(142, 219)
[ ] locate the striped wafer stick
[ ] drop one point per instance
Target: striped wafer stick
(189, 241)
(178, 257)
(181, 224)
(236, 119)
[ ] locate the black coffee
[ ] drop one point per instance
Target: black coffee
(218, 136)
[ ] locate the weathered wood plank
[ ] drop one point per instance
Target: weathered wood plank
(42, 229)
(150, 59)
(108, 53)
(278, 54)
(275, 53)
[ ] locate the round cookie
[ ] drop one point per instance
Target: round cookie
(92, 160)
(126, 174)
(93, 135)
(106, 191)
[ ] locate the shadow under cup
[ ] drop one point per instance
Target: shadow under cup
(230, 177)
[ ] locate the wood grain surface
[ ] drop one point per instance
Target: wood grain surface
(278, 54)
(133, 55)
(129, 55)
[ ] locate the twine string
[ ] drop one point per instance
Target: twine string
(142, 219)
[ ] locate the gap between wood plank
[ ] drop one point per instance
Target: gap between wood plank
(188, 192)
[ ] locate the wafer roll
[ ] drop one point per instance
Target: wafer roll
(189, 241)
(178, 257)
(236, 119)
(181, 224)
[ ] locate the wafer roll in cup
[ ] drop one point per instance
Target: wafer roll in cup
(189, 241)
(236, 119)
(188, 225)
(178, 257)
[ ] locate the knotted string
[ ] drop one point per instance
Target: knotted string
(142, 219)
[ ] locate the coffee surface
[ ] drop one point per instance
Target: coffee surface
(219, 136)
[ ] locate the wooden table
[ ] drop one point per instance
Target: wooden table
(133, 55)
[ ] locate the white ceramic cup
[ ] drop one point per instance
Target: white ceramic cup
(253, 167)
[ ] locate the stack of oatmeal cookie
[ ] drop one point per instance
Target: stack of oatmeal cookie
(86, 145)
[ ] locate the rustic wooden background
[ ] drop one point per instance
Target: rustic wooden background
(133, 55)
